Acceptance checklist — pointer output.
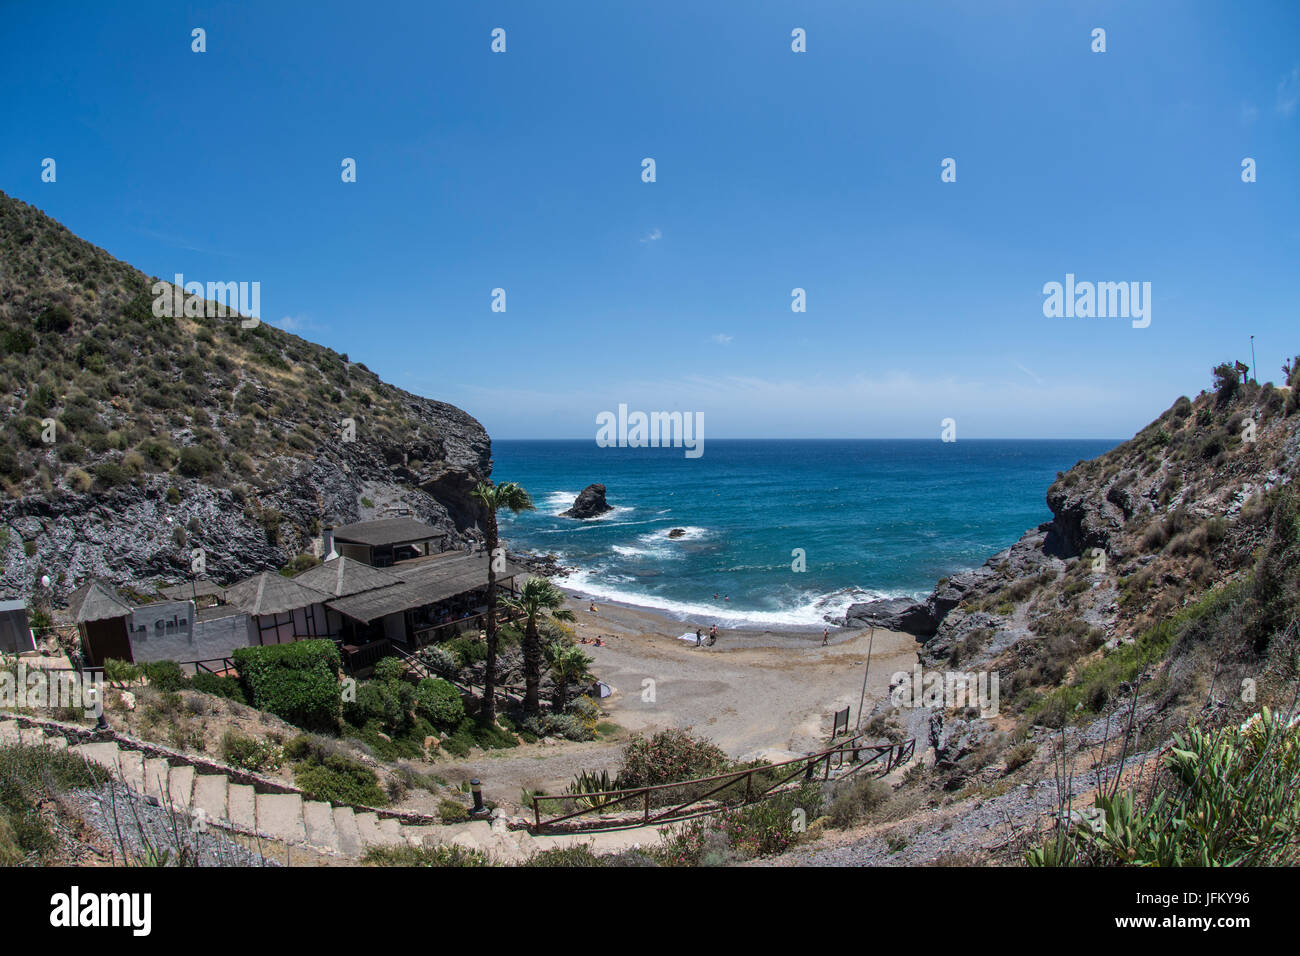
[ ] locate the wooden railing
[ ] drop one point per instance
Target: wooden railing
(703, 796)
(366, 655)
(473, 623)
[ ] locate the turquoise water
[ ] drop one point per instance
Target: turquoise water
(875, 518)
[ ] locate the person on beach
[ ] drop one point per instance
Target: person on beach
(592, 607)
(699, 637)
(713, 635)
(826, 633)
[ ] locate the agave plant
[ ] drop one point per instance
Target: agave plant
(586, 784)
(1233, 799)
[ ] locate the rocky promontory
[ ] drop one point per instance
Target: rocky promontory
(133, 440)
(590, 503)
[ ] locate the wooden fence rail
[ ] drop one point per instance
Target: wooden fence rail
(688, 799)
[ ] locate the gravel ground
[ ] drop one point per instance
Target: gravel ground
(993, 829)
(112, 809)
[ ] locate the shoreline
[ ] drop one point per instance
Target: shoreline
(626, 617)
(546, 566)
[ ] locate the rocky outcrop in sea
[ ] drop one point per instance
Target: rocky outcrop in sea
(590, 503)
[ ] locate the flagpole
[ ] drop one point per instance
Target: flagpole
(867, 670)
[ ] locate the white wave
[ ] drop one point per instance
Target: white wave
(691, 533)
(558, 501)
(806, 610)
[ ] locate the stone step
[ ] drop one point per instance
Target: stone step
(279, 816)
(180, 787)
(57, 741)
(373, 834)
(130, 766)
(393, 830)
(319, 820)
(31, 736)
(210, 797)
(241, 802)
(104, 754)
(423, 834)
(155, 778)
(345, 824)
(8, 732)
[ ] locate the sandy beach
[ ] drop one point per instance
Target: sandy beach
(754, 692)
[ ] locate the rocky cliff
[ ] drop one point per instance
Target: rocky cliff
(1171, 559)
(130, 440)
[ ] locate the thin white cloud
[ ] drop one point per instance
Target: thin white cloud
(1249, 113)
(1032, 374)
(1288, 92)
(654, 236)
(293, 323)
(720, 339)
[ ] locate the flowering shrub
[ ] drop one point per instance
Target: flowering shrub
(248, 753)
(439, 660)
(772, 825)
(669, 756)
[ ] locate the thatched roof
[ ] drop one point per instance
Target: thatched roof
(424, 582)
(386, 531)
(193, 589)
(342, 577)
(96, 601)
(272, 593)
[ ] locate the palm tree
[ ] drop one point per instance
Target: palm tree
(508, 494)
(568, 664)
(537, 598)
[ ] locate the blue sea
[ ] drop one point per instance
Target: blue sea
(874, 518)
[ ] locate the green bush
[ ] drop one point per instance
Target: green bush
(196, 461)
(467, 650)
(566, 726)
(772, 825)
(323, 773)
(248, 753)
(856, 800)
(669, 756)
(439, 703)
(297, 682)
(120, 672)
(387, 702)
(439, 660)
(110, 474)
(227, 687)
(449, 811)
(165, 675)
(389, 668)
(473, 733)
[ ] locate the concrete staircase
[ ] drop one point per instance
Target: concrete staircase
(289, 818)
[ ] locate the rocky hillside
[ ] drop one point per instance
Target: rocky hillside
(130, 439)
(1172, 563)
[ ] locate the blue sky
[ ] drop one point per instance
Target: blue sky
(775, 170)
